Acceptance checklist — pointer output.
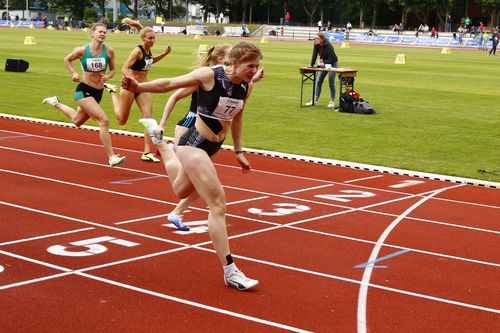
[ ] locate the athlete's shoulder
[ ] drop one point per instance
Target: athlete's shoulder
(80, 50)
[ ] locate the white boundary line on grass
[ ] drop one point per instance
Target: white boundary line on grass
(347, 164)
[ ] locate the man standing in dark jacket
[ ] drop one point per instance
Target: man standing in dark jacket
(327, 59)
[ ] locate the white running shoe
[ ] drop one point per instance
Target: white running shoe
(116, 160)
(53, 100)
(154, 130)
(110, 87)
(177, 221)
(331, 105)
(150, 157)
(239, 281)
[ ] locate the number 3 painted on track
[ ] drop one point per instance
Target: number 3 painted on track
(92, 245)
(295, 208)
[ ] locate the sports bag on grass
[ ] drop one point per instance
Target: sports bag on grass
(351, 102)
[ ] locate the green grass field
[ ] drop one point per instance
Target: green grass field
(439, 113)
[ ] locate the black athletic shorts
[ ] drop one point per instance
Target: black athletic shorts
(193, 138)
(83, 91)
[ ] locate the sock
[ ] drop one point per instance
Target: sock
(230, 269)
(229, 259)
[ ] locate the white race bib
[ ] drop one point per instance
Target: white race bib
(96, 64)
(227, 108)
(148, 62)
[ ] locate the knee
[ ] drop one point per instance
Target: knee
(218, 208)
(104, 122)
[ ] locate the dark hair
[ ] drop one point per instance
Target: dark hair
(322, 37)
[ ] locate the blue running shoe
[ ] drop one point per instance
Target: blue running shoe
(177, 221)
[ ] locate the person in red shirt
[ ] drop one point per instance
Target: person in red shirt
(288, 17)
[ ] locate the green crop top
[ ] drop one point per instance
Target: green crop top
(92, 63)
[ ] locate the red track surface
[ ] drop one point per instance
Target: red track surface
(305, 230)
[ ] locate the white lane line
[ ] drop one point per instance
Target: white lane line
(363, 289)
(198, 246)
(192, 303)
(307, 189)
(239, 188)
(80, 161)
(67, 272)
(322, 161)
(45, 236)
(247, 200)
(95, 224)
(360, 179)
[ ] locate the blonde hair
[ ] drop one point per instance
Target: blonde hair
(133, 24)
(211, 58)
(245, 51)
(145, 31)
(97, 24)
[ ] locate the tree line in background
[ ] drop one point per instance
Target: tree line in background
(365, 13)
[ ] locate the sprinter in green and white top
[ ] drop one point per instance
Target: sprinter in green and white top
(95, 63)
(95, 59)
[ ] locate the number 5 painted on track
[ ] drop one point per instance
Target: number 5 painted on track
(92, 245)
(348, 194)
(295, 208)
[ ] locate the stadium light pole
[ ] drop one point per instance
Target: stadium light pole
(26, 8)
(115, 10)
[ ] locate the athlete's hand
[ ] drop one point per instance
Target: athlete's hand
(245, 165)
(259, 75)
(168, 49)
(75, 77)
(129, 83)
(104, 78)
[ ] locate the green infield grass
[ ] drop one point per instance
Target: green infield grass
(438, 113)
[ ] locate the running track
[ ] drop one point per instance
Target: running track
(86, 248)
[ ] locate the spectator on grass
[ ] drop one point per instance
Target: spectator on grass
(348, 27)
(137, 65)
(223, 91)
(486, 38)
(327, 59)
(320, 25)
(494, 42)
(95, 58)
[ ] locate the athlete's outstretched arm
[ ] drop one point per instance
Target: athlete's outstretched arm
(203, 76)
